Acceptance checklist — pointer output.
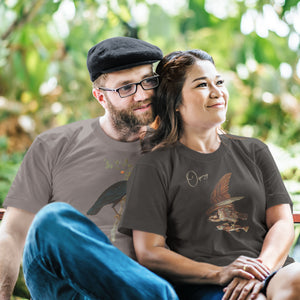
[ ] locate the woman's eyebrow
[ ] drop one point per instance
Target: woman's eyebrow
(199, 78)
(205, 77)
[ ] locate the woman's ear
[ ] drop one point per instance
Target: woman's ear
(177, 106)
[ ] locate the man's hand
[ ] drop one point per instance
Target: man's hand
(240, 289)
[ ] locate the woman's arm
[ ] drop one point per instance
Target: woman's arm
(274, 251)
(280, 236)
(151, 252)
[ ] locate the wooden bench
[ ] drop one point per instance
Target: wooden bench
(296, 217)
(2, 210)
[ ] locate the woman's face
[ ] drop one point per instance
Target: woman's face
(204, 98)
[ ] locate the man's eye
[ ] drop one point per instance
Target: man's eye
(150, 81)
(126, 88)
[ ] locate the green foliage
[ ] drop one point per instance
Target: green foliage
(20, 290)
(9, 165)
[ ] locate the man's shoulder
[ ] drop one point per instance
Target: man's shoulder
(66, 131)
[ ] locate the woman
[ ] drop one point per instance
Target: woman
(216, 200)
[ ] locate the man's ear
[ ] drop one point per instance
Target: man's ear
(100, 97)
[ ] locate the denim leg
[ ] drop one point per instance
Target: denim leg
(200, 292)
(66, 256)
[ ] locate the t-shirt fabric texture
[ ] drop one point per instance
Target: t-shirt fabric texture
(80, 165)
(209, 207)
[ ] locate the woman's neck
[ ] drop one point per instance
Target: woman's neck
(206, 142)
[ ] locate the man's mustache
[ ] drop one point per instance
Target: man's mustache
(141, 104)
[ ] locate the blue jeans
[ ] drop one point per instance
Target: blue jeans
(66, 256)
(200, 292)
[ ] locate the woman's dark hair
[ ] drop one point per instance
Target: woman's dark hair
(168, 96)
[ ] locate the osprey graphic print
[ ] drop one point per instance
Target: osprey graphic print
(223, 211)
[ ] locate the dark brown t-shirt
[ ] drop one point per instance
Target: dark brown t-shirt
(209, 207)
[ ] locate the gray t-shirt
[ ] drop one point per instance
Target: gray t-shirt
(78, 164)
(210, 207)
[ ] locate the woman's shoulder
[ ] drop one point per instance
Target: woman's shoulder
(248, 145)
(243, 141)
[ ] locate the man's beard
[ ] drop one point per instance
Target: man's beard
(126, 121)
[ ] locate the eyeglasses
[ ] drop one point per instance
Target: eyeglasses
(131, 88)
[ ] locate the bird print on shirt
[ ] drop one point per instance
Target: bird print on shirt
(113, 195)
(223, 210)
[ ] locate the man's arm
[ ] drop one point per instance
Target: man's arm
(13, 231)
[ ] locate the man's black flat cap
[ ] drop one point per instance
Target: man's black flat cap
(119, 53)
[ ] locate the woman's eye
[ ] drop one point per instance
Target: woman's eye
(202, 84)
(220, 82)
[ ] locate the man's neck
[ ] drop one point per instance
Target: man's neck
(124, 135)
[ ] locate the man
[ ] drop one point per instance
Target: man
(85, 164)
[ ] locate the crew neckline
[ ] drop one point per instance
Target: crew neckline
(203, 156)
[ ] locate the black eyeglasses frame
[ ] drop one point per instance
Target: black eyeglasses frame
(132, 84)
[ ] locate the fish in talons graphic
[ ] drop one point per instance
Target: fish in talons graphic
(223, 210)
(232, 227)
(112, 195)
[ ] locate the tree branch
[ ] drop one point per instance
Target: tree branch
(24, 18)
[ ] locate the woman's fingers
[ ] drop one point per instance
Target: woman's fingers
(244, 267)
(252, 266)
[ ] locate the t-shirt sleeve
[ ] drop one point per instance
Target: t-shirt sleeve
(146, 202)
(31, 188)
(275, 190)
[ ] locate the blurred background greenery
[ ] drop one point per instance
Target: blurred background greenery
(44, 81)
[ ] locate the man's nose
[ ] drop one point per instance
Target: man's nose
(141, 94)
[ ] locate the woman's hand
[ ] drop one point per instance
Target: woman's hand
(240, 289)
(244, 267)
